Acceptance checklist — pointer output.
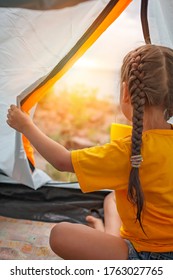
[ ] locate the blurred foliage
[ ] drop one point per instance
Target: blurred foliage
(76, 118)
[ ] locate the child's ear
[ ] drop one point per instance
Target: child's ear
(125, 93)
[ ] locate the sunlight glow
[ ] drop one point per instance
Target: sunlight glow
(84, 62)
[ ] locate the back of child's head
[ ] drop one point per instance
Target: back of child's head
(148, 74)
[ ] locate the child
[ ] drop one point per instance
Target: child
(139, 168)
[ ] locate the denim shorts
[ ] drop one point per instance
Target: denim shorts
(134, 255)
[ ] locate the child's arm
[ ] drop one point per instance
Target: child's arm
(54, 153)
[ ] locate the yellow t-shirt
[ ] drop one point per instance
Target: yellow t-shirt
(108, 167)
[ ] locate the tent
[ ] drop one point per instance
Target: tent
(39, 42)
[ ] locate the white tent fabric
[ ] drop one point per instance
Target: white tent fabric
(160, 19)
(31, 44)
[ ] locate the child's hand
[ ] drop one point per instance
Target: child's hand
(17, 119)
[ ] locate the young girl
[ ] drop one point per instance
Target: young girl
(138, 167)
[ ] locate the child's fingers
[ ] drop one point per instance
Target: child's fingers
(13, 107)
(9, 121)
(10, 114)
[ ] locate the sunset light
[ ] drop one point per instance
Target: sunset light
(85, 62)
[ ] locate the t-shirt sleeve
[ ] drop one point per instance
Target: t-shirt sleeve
(102, 167)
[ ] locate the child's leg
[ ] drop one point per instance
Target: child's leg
(112, 221)
(80, 242)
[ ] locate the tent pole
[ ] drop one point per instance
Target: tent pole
(144, 21)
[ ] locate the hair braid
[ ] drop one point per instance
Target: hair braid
(148, 73)
(138, 98)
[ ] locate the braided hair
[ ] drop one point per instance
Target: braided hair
(148, 73)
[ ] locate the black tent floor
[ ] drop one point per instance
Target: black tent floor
(52, 203)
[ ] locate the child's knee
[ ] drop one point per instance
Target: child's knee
(56, 239)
